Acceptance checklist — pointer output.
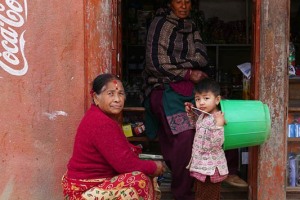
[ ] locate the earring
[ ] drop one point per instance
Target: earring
(95, 102)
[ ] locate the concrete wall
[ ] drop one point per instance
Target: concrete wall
(41, 94)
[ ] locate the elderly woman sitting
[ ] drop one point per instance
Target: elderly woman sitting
(104, 165)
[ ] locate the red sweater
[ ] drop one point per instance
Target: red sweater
(101, 149)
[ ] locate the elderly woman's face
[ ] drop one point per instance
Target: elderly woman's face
(112, 97)
(181, 8)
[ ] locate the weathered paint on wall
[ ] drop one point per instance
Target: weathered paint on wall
(98, 37)
(273, 91)
(50, 51)
(41, 106)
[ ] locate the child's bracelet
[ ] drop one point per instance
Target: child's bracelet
(189, 115)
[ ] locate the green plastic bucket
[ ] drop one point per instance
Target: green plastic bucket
(247, 123)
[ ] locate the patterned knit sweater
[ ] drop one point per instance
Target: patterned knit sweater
(101, 149)
(173, 47)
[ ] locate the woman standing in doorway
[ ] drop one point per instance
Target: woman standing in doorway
(175, 56)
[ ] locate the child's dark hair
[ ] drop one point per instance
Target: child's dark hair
(208, 85)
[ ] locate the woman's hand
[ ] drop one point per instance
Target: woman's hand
(160, 168)
(197, 75)
(219, 117)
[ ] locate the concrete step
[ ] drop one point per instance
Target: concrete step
(227, 193)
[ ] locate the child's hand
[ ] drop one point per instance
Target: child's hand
(219, 117)
(188, 109)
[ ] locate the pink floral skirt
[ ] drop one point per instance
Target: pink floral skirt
(131, 186)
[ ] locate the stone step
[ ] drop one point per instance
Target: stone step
(227, 192)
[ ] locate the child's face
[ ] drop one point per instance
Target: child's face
(207, 101)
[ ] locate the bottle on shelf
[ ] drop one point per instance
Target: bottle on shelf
(292, 59)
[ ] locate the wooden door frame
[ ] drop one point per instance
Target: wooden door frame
(106, 57)
(254, 151)
(103, 41)
(267, 163)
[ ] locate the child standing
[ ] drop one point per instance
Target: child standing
(208, 163)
